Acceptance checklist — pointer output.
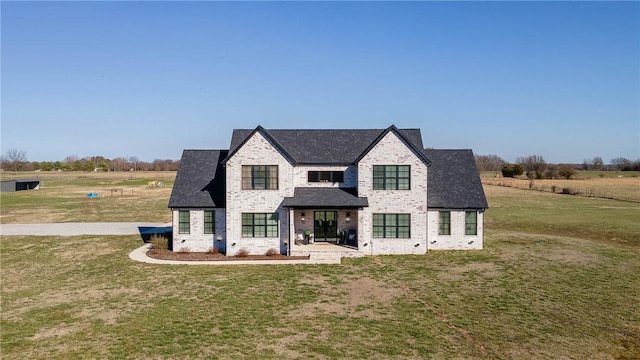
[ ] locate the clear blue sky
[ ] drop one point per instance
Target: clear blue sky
(149, 79)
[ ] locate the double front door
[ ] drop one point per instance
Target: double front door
(325, 226)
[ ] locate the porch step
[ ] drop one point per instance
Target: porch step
(326, 257)
(329, 253)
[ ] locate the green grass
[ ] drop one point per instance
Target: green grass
(63, 198)
(559, 278)
(539, 212)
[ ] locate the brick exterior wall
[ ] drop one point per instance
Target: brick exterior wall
(301, 179)
(392, 151)
(457, 240)
(256, 151)
(197, 240)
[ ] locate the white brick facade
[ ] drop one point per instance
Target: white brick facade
(256, 151)
(392, 151)
(301, 179)
(457, 240)
(196, 240)
(354, 204)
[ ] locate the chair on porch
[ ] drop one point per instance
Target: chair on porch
(299, 237)
(352, 238)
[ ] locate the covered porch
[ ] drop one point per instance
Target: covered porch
(324, 219)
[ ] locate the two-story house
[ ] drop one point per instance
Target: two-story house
(372, 191)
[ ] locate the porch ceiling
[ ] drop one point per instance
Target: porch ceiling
(325, 197)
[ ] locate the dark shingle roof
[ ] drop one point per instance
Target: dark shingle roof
(328, 146)
(454, 181)
(325, 197)
(200, 181)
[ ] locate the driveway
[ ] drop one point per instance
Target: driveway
(73, 229)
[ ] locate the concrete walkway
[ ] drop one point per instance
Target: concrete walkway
(75, 229)
(140, 254)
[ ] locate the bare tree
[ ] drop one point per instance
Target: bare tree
(119, 164)
(71, 159)
(535, 165)
(619, 163)
(597, 163)
(16, 158)
(134, 160)
(490, 162)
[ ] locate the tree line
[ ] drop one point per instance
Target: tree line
(536, 167)
(16, 160)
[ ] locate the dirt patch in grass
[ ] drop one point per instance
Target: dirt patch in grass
(562, 249)
(454, 273)
(283, 345)
(202, 256)
(59, 330)
(362, 297)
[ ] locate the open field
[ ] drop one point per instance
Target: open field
(624, 188)
(122, 196)
(559, 278)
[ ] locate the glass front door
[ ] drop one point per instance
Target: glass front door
(325, 226)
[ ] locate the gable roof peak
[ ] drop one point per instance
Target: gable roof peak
(265, 133)
(409, 144)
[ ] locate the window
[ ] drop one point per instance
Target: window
(209, 222)
(259, 225)
(471, 223)
(444, 227)
(326, 176)
(392, 226)
(184, 224)
(259, 177)
(391, 177)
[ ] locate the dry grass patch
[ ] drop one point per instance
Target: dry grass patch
(624, 188)
(363, 297)
(63, 198)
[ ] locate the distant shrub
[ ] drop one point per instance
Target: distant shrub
(213, 251)
(159, 242)
(242, 253)
(566, 171)
(512, 170)
(184, 250)
(272, 252)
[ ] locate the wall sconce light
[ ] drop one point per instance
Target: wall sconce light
(285, 244)
(365, 244)
(219, 237)
(470, 242)
(183, 240)
(416, 245)
(302, 217)
(348, 217)
(433, 242)
(234, 244)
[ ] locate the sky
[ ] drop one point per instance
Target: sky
(149, 79)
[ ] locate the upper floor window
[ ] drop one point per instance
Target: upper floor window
(392, 226)
(391, 177)
(471, 223)
(259, 177)
(444, 223)
(259, 225)
(326, 176)
(209, 222)
(184, 224)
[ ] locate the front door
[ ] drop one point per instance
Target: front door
(325, 226)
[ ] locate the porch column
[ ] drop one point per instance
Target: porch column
(292, 231)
